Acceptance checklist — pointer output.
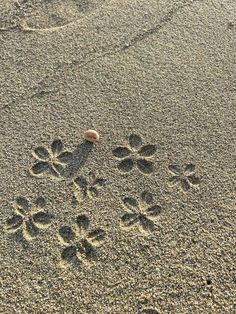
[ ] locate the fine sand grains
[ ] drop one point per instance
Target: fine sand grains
(136, 215)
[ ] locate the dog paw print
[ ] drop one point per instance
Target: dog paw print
(87, 186)
(80, 243)
(135, 154)
(140, 213)
(184, 177)
(28, 218)
(50, 161)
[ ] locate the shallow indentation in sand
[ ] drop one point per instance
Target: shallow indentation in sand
(135, 154)
(80, 242)
(49, 15)
(28, 219)
(140, 213)
(56, 14)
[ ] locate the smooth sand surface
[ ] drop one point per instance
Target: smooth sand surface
(144, 220)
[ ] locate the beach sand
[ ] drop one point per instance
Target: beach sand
(142, 221)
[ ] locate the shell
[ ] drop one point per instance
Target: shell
(91, 136)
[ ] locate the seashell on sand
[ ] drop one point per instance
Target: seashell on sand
(91, 136)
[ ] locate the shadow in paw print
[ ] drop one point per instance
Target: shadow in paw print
(69, 256)
(80, 243)
(81, 252)
(135, 154)
(87, 251)
(150, 311)
(18, 237)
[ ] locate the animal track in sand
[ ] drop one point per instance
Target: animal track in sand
(184, 177)
(44, 15)
(50, 161)
(135, 154)
(141, 214)
(80, 243)
(88, 186)
(28, 218)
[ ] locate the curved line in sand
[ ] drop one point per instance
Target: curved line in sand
(24, 26)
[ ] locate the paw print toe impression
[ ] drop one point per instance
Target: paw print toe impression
(80, 242)
(50, 161)
(184, 177)
(141, 213)
(87, 187)
(28, 218)
(135, 154)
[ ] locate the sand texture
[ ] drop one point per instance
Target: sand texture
(142, 222)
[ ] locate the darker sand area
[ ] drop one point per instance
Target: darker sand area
(144, 221)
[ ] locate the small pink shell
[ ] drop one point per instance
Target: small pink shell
(91, 136)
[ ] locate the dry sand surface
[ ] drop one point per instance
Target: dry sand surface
(143, 221)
